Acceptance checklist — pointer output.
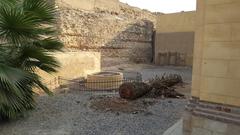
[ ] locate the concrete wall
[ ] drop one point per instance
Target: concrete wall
(89, 4)
(175, 48)
(216, 73)
(174, 39)
(74, 65)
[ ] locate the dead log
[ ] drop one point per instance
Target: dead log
(163, 86)
(165, 81)
(133, 90)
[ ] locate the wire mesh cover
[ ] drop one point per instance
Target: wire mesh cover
(98, 85)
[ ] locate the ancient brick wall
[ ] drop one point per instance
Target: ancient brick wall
(125, 33)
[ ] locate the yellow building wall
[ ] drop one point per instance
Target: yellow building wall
(197, 52)
(216, 69)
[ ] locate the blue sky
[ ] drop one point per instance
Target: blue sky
(164, 6)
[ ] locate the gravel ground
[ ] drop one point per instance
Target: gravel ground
(71, 114)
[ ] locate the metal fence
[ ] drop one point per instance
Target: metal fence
(83, 84)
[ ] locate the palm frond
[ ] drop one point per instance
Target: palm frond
(4, 3)
(50, 44)
(36, 57)
(41, 9)
(15, 26)
(14, 86)
(27, 42)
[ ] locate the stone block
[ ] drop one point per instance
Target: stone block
(211, 97)
(216, 68)
(234, 69)
(199, 34)
(197, 66)
(235, 101)
(217, 32)
(221, 52)
(214, 2)
(236, 30)
(196, 81)
(223, 13)
(221, 86)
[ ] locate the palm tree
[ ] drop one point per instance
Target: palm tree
(27, 41)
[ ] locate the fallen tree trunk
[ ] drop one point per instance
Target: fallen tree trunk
(133, 90)
(163, 86)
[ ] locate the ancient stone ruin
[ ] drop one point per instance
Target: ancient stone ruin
(124, 34)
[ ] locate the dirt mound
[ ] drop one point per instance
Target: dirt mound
(116, 104)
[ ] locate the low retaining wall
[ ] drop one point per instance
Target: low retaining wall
(73, 65)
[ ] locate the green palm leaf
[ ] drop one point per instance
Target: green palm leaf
(15, 26)
(41, 9)
(28, 39)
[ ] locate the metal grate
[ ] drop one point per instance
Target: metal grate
(110, 85)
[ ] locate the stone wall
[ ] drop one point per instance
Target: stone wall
(174, 39)
(216, 73)
(73, 65)
(214, 108)
(125, 33)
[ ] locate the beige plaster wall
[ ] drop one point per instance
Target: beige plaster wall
(74, 65)
(175, 48)
(90, 4)
(176, 22)
(175, 36)
(216, 70)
